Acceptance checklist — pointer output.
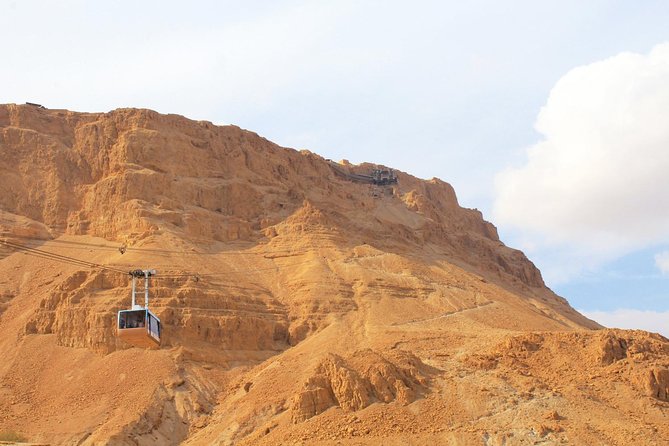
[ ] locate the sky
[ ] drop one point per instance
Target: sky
(548, 116)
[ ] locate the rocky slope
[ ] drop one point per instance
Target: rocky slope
(298, 306)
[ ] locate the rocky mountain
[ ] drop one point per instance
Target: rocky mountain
(300, 303)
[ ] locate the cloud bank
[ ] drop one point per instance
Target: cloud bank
(657, 322)
(597, 185)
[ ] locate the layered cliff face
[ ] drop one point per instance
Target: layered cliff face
(129, 174)
(297, 305)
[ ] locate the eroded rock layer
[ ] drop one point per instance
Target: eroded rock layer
(299, 305)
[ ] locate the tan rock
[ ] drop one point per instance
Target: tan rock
(330, 296)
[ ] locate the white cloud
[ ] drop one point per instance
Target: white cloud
(598, 183)
(654, 321)
(662, 262)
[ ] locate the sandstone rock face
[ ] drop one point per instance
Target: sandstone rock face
(337, 383)
(298, 306)
(128, 174)
(656, 383)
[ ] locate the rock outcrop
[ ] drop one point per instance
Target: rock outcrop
(297, 306)
(373, 378)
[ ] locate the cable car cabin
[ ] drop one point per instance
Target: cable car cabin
(139, 327)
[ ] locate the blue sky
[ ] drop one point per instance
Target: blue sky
(436, 88)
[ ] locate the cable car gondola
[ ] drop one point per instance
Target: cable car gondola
(138, 326)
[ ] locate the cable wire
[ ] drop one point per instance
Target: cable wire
(48, 255)
(155, 251)
(57, 257)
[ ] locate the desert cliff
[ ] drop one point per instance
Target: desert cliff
(298, 306)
